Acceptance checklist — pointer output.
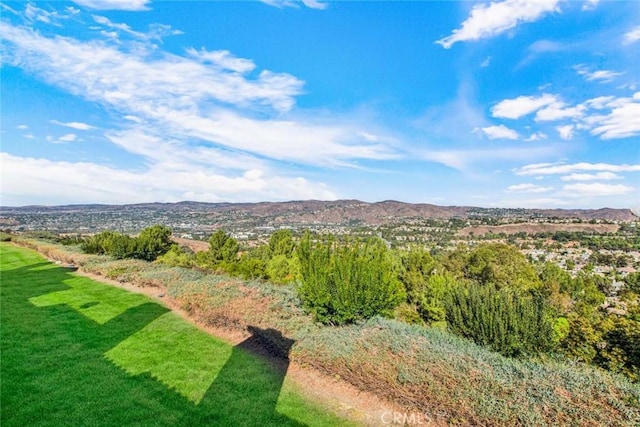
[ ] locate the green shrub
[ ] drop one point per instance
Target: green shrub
(510, 322)
(345, 283)
(152, 242)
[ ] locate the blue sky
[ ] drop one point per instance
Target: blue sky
(510, 103)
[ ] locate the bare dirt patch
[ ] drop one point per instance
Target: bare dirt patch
(194, 245)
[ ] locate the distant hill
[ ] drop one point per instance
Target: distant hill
(336, 212)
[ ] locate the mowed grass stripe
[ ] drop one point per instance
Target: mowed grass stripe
(62, 366)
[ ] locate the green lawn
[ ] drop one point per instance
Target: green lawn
(77, 352)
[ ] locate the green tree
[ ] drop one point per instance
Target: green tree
(345, 283)
(500, 265)
(281, 243)
(152, 242)
(506, 319)
(222, 247)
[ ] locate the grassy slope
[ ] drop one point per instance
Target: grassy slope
(75, 352)
(431, 372)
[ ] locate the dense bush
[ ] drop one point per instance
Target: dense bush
(510, 322)
(343, 283)
(152, 242)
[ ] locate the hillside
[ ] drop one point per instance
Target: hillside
(315, 211)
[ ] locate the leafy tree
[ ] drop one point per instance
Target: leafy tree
(152, 242)
(345, 283)
(280, 269)
(222, 247)
(632, 282)
(252, 267)
(281, 243)
(507, 320)
(178, 257)
(500, 265)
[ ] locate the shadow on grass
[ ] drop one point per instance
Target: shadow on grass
(247, 388)
(54, 371)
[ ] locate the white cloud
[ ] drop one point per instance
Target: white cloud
(605, 176)
(632, 35)
(74, 125)
(559, 111)
(566, 131)
(563, 168)
(602, 76)
(34, 13)
(533, 203)
(139, 81)
(528, 188)
(622, 122)
(590, 4)
(131, 5)
(488, 20)
(229, 128)
(22, 127)
(460, 159)
(521, 106)
(500, 132)
(313, 4)
(69, 137)
(224, 59)
(156, 31)
(600, 102)
(536, 136)
(597, 189)
(57, 182)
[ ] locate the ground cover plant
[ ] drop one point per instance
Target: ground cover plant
(427, 369)
(76, 352)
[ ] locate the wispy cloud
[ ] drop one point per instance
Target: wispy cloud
(83, 182)
(603, 76)
(565, 168)
(521, 106)
(312, 4)
(462, 159)
(632, 35)
(500, 132)
(223, 59)
(528, 188)
(622, 122)
(558, 111)
(590, 4)
(489, 20)
(598, 189)
(73, 125)
(604, 176)
(156, 31)
(229, 122)
(608, 117)
(566, 131)
(131, 5)
(69, 137)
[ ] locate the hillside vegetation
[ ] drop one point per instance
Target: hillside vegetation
(78, 352)
(415, 359)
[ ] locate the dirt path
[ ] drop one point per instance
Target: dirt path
(335, 395)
